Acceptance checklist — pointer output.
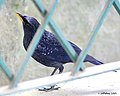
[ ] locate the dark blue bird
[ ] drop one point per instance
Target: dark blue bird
(49, 51)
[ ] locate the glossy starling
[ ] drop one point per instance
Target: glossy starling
(49, 51)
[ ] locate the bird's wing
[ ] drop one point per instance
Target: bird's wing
(52, 49)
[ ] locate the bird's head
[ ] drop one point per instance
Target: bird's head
(30, 24)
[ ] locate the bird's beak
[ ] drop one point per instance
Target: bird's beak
(20, 16)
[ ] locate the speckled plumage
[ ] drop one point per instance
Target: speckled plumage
(49, 51)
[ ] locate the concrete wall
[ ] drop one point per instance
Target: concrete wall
(76, 19)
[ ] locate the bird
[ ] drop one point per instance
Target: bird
(49, 51)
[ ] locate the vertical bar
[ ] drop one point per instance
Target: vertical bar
(65, 44)
(95, 31)
(6, 69)
(33, 45)
(117, 6)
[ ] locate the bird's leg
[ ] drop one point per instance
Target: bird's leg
(61, 69)
(54, 71)
(53, 87)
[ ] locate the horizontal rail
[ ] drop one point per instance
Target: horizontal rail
(60, 78)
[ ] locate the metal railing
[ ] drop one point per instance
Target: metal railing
(78, 60)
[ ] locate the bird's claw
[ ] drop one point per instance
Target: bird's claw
(53, 87)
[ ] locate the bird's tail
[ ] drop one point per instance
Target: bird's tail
(88, 57)
(93, 60)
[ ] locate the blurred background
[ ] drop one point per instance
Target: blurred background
(76, 18)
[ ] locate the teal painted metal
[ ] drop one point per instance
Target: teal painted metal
(65, 44)
(61, 39)
(3, 65)
(40, 6)
(59, 34)
(33, 45)
(1, 3)
(117, 6)
(6, 69)
(95, 31)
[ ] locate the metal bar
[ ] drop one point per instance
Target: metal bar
(65, 44)
(40, 6)
(59, 34)
(60, 78)
(81, 58)
(3, 65)
(1, 3)
(33, 45)
(6, 69)
(117, 6)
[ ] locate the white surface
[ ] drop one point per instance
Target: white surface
(107, 84)
(103, 79)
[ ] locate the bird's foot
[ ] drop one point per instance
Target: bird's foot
(115, 70)
(53, 87)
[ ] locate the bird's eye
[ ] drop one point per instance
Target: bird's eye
(29, 25)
